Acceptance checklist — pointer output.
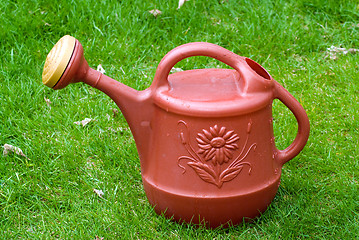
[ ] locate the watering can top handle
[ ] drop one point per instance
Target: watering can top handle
(190, 50)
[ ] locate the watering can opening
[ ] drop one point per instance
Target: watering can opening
(258, 69)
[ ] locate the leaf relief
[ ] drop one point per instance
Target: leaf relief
(204, 172)
(230, 173)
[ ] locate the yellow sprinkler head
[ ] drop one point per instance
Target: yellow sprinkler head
(57, 60)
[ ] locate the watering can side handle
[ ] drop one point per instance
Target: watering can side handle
(190, 50)
(296, 108)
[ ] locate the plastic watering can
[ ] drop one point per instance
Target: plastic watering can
(204, 137)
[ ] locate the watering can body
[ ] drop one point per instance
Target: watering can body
(204, 137)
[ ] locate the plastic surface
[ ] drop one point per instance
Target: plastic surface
(204, 137)
(57, 60)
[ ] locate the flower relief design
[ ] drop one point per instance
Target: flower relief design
(213, 161)
(217, 144)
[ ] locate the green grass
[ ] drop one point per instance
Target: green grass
(50, 194)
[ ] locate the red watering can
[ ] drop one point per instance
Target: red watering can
(204, 137)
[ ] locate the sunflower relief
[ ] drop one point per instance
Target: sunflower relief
(214, 160)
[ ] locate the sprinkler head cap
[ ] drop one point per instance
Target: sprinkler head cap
(57, 60)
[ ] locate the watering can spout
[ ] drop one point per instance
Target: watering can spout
(66, 64)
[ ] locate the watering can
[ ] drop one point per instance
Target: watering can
(204, 137)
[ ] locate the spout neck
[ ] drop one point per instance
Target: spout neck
(136, 106)
(121, 94)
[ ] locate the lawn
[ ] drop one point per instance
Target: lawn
(49, 192)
